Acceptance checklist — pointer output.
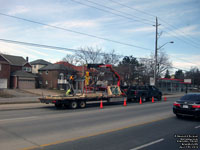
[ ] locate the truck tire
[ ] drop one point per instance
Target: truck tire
(82, 104)
(73, 104)
(58, 105)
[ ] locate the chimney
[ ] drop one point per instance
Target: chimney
(27, 59)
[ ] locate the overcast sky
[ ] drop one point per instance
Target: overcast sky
(127, 21)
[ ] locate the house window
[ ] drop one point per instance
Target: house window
(46, 82)
(34, 66)
(0, 67)
(47, 72)
(27, 69)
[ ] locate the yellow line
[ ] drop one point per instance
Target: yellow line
(96, 134)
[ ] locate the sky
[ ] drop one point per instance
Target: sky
(129, 23)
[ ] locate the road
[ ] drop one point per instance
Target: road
(146, 126)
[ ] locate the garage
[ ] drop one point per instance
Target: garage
(26, 84)
(23, 80)
(3, 83)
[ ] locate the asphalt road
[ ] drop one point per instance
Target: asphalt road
(114, 127)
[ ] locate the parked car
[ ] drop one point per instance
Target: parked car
(188, 105)
(134, 93)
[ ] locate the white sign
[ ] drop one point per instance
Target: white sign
(152, 81)
(187, 80)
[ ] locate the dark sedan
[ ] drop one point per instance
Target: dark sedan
(188, 105)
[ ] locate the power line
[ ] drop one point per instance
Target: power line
(182, 33)
(65, 49)
(186, 40)
(133, 8)
(77, 32)
(109, 11)
(120, 11)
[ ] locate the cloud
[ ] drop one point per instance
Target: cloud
(19, 10)
(13, 50)
(142, 29)
(75, 24)
(184, 61)
(184, 31)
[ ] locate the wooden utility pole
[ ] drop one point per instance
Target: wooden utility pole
(156, 53)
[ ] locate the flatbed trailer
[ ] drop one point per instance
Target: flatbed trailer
(113, 94)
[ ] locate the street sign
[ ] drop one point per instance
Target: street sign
(188, 81)
(152, 81)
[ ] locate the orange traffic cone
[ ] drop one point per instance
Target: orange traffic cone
(101, 104)
(165, 98)
(124, 101)
(152, 99)
(140, 100)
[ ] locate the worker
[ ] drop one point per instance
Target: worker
(68, 91)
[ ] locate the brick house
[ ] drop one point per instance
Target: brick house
(15, 72)
(37, 64)
(54, 76)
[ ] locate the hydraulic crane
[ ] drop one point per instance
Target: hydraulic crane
(106, 66)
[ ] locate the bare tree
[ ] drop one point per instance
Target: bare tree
(148, 65)
(89, 55)
(72, 59)
(163, 63)
(110, 58)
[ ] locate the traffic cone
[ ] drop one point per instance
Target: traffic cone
(101, 104)
(140, 100)
(165, 98)
(152, 99)
(124, 101)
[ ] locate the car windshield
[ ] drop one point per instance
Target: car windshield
(193, 97)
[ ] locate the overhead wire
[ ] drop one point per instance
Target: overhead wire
(121, 12)
(77, 32)
(194, 44)
(64, 48)
(109, 12)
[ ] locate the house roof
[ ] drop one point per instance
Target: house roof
(67, 65)
(40, 62)
(21, 73)
(14, 60)
(56, 67)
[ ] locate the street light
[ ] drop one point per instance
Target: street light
(165, 44)
(156, 62)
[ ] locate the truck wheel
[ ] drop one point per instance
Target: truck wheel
(57, 105)
(73, 105)
(82, 104)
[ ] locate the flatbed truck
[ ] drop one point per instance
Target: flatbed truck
(113, 94)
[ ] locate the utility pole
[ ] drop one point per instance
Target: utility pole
(156, 52)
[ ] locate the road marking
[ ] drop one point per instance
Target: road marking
(148, 144)
(91, 135)
(13, 119)
(197, 127)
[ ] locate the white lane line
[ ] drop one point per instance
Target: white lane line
(148, 144)
(197, 127)
(13, 119)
